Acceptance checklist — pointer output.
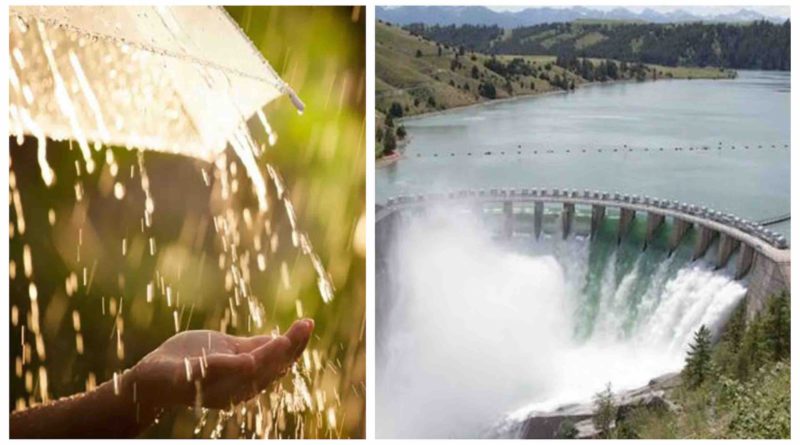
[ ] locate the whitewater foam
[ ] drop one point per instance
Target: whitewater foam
(483, 331)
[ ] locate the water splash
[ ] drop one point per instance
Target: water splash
(72, 92)
(479, 330)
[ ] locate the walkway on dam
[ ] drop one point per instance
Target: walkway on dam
(763, 255)
(752, 234)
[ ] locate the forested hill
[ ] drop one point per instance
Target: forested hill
(757, 45)
(415, 75)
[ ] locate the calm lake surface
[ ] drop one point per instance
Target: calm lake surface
(542, 141)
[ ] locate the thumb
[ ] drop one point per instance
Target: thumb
(299, 333)
(271, 360)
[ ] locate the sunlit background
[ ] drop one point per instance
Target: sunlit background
(91, 292)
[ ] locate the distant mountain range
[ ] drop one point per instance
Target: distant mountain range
(480, 15)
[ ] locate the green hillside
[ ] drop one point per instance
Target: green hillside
(415, 75)
(758, 45)
(423, 76)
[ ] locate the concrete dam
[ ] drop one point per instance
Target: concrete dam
(536, 298)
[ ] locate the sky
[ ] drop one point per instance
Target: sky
(772, 11)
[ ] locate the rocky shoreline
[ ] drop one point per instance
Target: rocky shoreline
(545, 425)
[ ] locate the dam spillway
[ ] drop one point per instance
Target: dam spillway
(753, 243)
(556, 291)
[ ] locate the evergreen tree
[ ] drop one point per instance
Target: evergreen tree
(605, 412)
(727, 351)
(389, 143)
(698, 360)
(777, 330)
(566, 430)
(487, 90)
(396, 110)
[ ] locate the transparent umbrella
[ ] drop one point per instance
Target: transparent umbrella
(174, 79)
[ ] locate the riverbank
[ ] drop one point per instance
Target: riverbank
(685, 70)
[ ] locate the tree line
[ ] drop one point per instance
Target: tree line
(756, 45)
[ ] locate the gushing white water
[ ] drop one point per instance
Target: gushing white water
(480, 331)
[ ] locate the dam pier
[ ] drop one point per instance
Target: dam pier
(762, 256)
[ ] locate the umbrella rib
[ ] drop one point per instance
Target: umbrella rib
(277, 82)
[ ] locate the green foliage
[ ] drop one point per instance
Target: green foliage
(327, 202)
(744, 348)
(604, 70)
(475, 72)
(746, 393)
(389, 143)
(567, 430)
(605, 411)
(401, 132)
(757, 45)
(625, 429)
(761, 407)
(698, 359)
(464, 36)
(395, 110)
(454, 81)
(727, 352)
(487, 90)
(777, 331)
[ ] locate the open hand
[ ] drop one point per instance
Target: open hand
(214, 369)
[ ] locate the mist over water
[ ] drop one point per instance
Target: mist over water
(479, 331)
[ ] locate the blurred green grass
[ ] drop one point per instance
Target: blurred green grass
(320, 52)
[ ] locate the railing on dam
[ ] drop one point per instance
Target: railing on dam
(733, 232)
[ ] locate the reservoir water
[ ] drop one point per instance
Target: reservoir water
(535, 133)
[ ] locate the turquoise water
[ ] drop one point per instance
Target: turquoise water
(542, 140)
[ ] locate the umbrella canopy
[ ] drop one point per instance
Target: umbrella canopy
(173, 79)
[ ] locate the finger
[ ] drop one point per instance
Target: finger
(272, 360)
(247, 344)
(299, 334)
(278, 350)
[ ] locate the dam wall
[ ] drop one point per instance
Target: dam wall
(763, 257)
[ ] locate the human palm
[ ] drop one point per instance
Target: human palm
(215, 369)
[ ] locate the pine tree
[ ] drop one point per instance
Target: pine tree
(778, 332)
(567, 430)
(698, 360)
(605, 412)
(730, 345)
(475, 72)
(389, 143)
(754, 351)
